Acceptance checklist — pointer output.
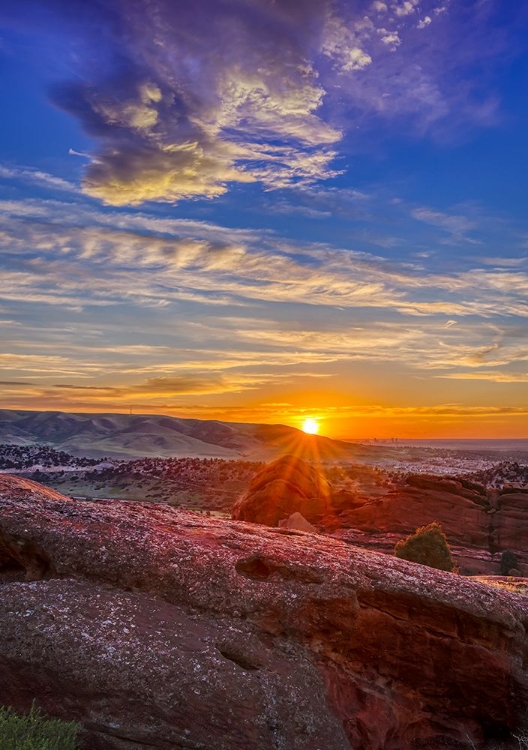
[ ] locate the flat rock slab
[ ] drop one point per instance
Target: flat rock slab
(304, 641)
(138, 671)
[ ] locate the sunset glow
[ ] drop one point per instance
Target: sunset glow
(310, 426)
(324, 206)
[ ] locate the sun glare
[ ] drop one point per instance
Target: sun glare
(310, 426)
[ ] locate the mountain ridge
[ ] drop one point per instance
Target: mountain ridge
(117, 435)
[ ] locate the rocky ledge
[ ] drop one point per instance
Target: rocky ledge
(157, 628)
(479, 524)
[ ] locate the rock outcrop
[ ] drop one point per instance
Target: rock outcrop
(157, 628)
(479, 524)
(401, 510)
(285, 486)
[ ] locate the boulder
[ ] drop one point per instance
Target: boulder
(283, 487)
(159, 628)
(298, 522)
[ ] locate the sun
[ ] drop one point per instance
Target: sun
(310, 426)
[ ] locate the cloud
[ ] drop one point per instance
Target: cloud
(185, 101)
(405, 8)
(139, 292)
(457, 226)
(344, 45)
(428, 88)
(426, 20)
(154, 393)
(35, 177)
(492, 376)
(156, 262)
(390, 38)
(166, 397)
(202, 97)
(37, 363)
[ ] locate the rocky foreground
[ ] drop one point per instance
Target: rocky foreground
(157, 628)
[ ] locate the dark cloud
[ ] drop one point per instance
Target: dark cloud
(186, 98)
(183, 98)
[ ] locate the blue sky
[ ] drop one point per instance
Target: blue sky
(267, 210)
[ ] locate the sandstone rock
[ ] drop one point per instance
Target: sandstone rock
(298, 522)
(158, 628)
(470, 490)
(510, 583)
(510, 524)
(479, 526)
(139, 672)
(18, 487)
(283, 487)
(404, 510)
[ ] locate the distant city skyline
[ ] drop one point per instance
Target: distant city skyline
(272, 211)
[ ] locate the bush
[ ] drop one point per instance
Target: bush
(35, 732)
(507, 562)
(427, 546)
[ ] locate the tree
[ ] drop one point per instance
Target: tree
(427, 546)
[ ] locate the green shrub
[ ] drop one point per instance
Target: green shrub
(508, 561)
(427, 546)
(35, 732)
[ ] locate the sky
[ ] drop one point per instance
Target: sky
(267, 210)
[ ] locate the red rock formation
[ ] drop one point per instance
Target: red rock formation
(510, 523)
(160, 628)
(18, 487)
(461, 513)
(479, 525)
(283, 487)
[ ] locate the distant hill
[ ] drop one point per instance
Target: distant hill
(149, 435)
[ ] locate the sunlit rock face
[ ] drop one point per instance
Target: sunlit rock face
(286, 486)
(157, 628)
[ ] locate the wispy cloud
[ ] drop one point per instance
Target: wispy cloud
(165, 397)
(456, 226)
(491, 376)
(171, 260)
(153, 394)
(35, 177)
(389, 311)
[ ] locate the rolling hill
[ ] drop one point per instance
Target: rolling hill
(149, 435)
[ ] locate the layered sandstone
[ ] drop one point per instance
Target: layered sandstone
(157, 628)
(479, 525)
